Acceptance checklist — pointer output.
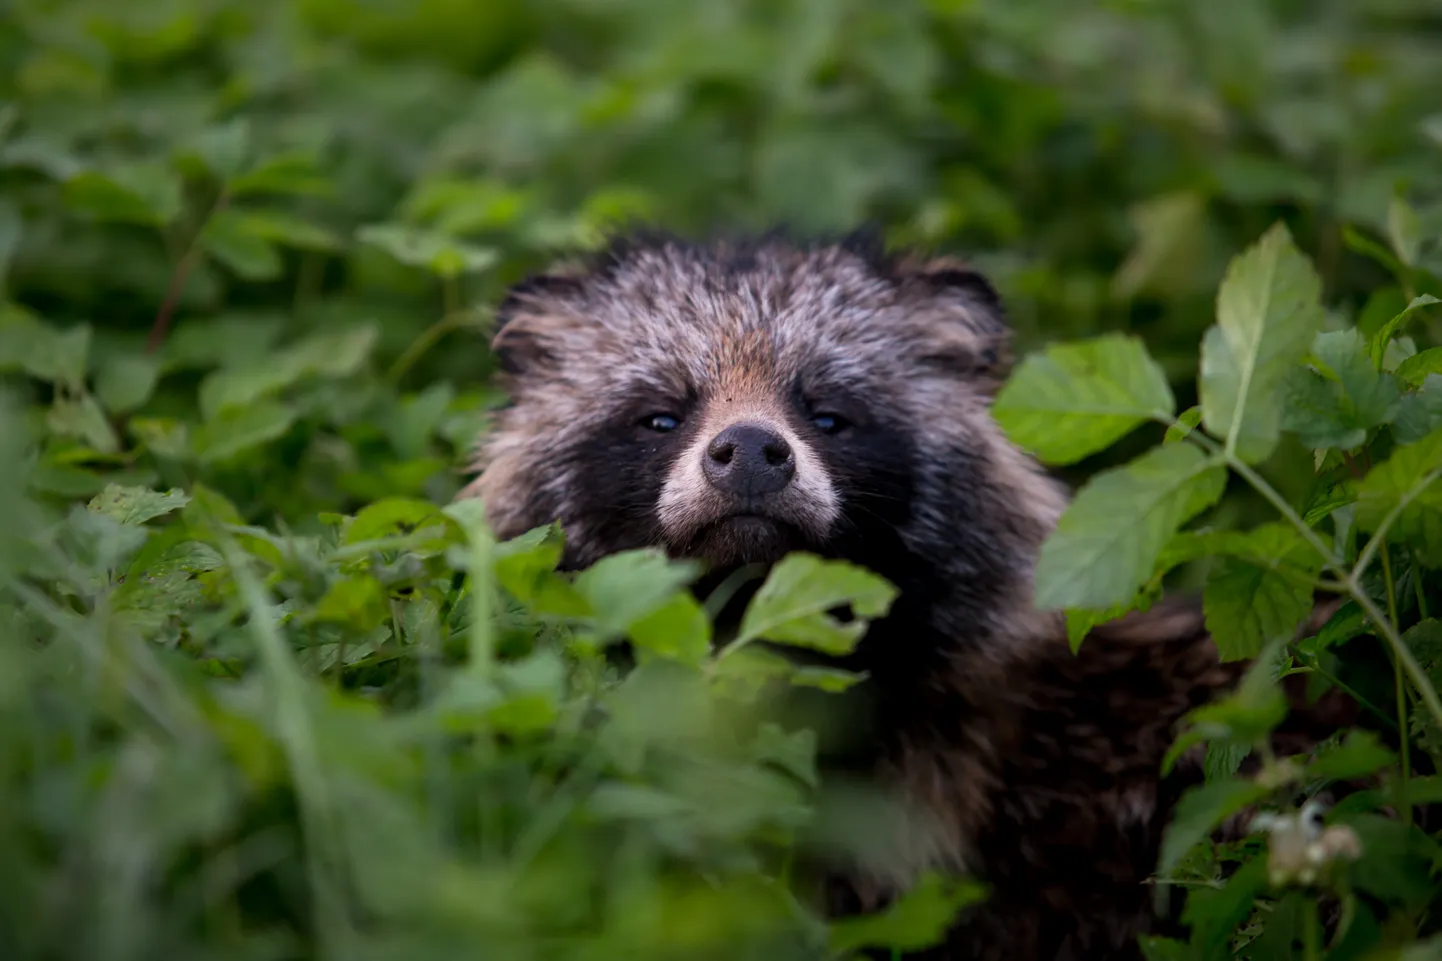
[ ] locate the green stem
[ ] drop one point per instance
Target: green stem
(426, 340)
(1379, 535)
(1401, 650)
(1311, 944)
(1421, 591)
(1259, 483)
(1403, 735)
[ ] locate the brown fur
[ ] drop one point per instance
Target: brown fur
(1035, 768)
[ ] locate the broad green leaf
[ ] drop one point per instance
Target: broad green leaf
(1420, 412)
(1108, 540)
(392, 516)
(288, 231)
(1413, 371)
(358, 601)
(238, 430)
(793, 605)
(1268, 312)
(677, 629)
(1214, 914)
(228, 238)
(793, 751)
(163, 436)
(335, 353)
(1245, 716)
(1262, 594)
(1201, 810)
(1384, 336)
(917, 920)
(126, 381)
(42, 351)
(1407, 483)
(136, 505)
(1345, 397)
(625, 587)
(1073, 400)
(526, 567)
(80, 416)
(223, 149)
(146, 194)
(293, 173)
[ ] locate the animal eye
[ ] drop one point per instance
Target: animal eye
(828, 423)
(661, 423)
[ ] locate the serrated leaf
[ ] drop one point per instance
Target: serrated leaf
(1073, 400)
(793, 605)
(1413, 371)
(1347, 622)
(396, 516)
(1266, 594)
(526, 567)
(1384, 336)
(1407, 482)
(126, 381)
(917, 920)
(136, 505)
(1268, 312)
(146, 194)
(1214, 915)
(1108, 540)
(793, 751)
(228, 238)
(1420, 413)
(224, 149)
(358, 601)
(238, 430)
(1336, 405)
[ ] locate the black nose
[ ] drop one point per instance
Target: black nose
(749, 460)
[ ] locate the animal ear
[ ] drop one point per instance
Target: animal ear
(971, 334)
(530, 318)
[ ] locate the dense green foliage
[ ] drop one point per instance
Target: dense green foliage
(265, 692)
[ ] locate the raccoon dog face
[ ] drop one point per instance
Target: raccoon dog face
(733, 401)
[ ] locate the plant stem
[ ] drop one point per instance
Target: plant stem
(1401, 650)
(1377, 539)
(163, 316)
(426, 340)
(1402, 733)
(1259, 483)
(1311, 946)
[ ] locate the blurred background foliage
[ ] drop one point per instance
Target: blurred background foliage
(247, 249)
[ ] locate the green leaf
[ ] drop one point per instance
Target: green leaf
(1214, 915)
(1266, 595)
(136, 505)
(126, 381)
(678, 629)
(1420, 413)
(1108, 540)
(223, 149)
(228, 238)
(792, 605)
(288, 231)
(1359, 756)
(442, 255)
(1268, 312)
(238, 430)
(1407, 482)
(396, 516)
(146, 194)
(1245, 716)
(917, 920)
(358, 601)
(1384, 336)
(42, 351)
(1404, 231)
(793, 751)
(336, 353)
(11, 229)
(80, 416)
(525, 566)
(1076, 399)
(293, 173)
(1201, 810)
(828, 679)
(1413, 371)
(1345, 397)
(625, 587)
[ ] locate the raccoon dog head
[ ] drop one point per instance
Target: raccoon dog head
(735, 400)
